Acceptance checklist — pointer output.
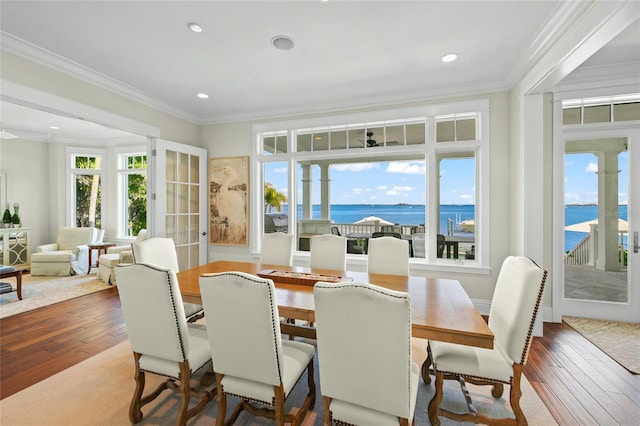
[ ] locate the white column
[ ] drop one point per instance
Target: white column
(325, 192)
(306, 191)
(607, 259)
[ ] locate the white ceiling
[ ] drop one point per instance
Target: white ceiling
(347, 54)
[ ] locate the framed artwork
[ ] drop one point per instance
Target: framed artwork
(228, 201)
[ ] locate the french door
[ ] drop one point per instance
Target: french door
(609, 287)
(179, 199)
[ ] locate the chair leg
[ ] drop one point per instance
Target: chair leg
(426, 366)
(185, 394)
(279, 406)
(434, 404)
(515, 394)
(135, 413)
(222, 401)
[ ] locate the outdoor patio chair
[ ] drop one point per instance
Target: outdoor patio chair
(162, 341)
(418, 245)
(251, 360)
(440, 244)
(363, 382)
(512, 315)
(379, 234)
(352, 244)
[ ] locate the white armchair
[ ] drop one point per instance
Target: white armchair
(115, 256)
(69, 255)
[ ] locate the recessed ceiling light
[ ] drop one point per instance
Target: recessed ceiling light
(282, 42)
(54, 127)
(450, 57)
(196, 28)
(203, 95)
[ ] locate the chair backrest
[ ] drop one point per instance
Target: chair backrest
(515, 304)
(156, 251)
(388, 255)
(71, 237)
(335, 230)
(243, 326)
(153, 311)
(329, 252)
(440, 243)
(277, 249)
(379, 234)
(418, 240)
(364, 357)
(142, 235)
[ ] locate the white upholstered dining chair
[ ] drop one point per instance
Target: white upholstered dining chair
(367, 376)
(514, 307)
(162, 252)
(328, 252)
(277, 249)
(162, 341)
(388, 255)
(250, 358)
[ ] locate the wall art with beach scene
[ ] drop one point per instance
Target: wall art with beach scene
(228, 201)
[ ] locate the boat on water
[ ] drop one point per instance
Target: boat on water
(468, 225)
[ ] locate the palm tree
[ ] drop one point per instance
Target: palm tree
(273, 198)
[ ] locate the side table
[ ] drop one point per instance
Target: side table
(7, 272)
(99, 247)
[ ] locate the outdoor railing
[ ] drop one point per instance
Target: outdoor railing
(579, 255)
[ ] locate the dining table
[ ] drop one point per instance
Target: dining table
(440, 308)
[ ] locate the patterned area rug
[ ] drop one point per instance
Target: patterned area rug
(64, 399)
(42, 291)
(619, 340)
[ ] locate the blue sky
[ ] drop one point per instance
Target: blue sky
(581, 179)
(404, 181)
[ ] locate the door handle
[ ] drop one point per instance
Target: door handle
(635, 242)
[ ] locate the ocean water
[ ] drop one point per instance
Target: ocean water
(414, 215)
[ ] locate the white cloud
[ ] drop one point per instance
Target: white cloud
(402, 188)
(408, 167)
(591, 168)
(355, 167)
(381, 188)
(466, 197)
(392, 193)
(357, 191)
(280, 170)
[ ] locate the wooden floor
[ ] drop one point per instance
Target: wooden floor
(579, 383)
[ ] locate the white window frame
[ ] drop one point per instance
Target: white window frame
(122, 190)
(71, 173)
(431, 150)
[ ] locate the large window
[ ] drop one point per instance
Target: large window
(419, 170)
(132, 193)
(86, 189)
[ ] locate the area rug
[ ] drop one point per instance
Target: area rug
(98, 391)
(619, 340)
(42, 291)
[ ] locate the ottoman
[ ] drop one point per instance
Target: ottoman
(106, 265)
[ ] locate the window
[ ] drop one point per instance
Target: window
(132, 193)
(422, 170)
(86, 188)
(601, 110)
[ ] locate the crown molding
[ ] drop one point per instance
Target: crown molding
(31, 52)
(574, 39)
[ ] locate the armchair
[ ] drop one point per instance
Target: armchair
(69, 255)
(115, 256)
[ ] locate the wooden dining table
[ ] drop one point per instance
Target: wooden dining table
(440, 308)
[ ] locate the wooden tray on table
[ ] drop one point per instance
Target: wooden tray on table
(302, 278)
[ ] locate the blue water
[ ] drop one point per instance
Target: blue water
(414, 215)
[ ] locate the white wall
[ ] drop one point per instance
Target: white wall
(27, 166)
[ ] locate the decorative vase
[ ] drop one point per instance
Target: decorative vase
(15, 219)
